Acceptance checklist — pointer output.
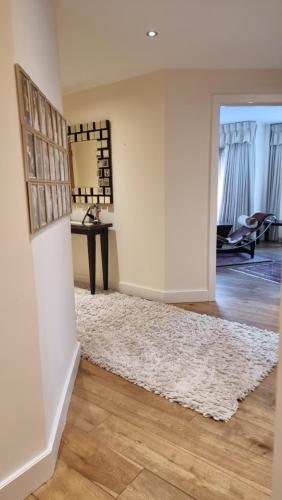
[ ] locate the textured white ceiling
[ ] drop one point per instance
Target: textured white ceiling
(102, 41)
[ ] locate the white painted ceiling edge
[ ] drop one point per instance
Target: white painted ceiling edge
(265, 114)
(105, 42)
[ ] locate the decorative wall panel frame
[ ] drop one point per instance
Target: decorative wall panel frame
(45, 153)
(101, 132)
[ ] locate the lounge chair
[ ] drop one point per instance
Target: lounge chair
(243, 239)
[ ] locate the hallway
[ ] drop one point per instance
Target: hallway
(124, 442)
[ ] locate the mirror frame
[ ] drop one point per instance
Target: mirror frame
(99, 131)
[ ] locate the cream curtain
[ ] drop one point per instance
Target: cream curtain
(274, 181)
(236, 171)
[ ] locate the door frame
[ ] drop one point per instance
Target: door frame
(218, 101)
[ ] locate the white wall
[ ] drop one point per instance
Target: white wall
(252, 112)
(136, 110)
(22, 429)
(35, 43)
(38, 345)
(188, 122)
(165, 117)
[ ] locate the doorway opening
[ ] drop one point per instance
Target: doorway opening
(249, 189)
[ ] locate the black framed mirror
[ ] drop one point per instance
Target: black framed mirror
(90, 157)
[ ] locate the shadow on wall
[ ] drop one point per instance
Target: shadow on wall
(113, 262)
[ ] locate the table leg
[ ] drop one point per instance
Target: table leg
(91, 244)
(258, 236)
(105, 257)
(253, 247)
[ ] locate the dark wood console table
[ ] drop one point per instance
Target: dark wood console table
(91, 231)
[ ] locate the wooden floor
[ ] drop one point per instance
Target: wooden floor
(124, 442)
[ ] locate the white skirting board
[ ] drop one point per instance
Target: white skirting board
(37, 471)
(169, 296)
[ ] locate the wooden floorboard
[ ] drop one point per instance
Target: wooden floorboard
(68, 483)
(148, 485)
(124, 442)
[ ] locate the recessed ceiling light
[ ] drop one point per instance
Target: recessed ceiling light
(250, 102)
(152, 34)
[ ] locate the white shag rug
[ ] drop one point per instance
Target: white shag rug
(202, 362)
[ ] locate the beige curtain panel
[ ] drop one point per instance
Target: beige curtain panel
(237, 167)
